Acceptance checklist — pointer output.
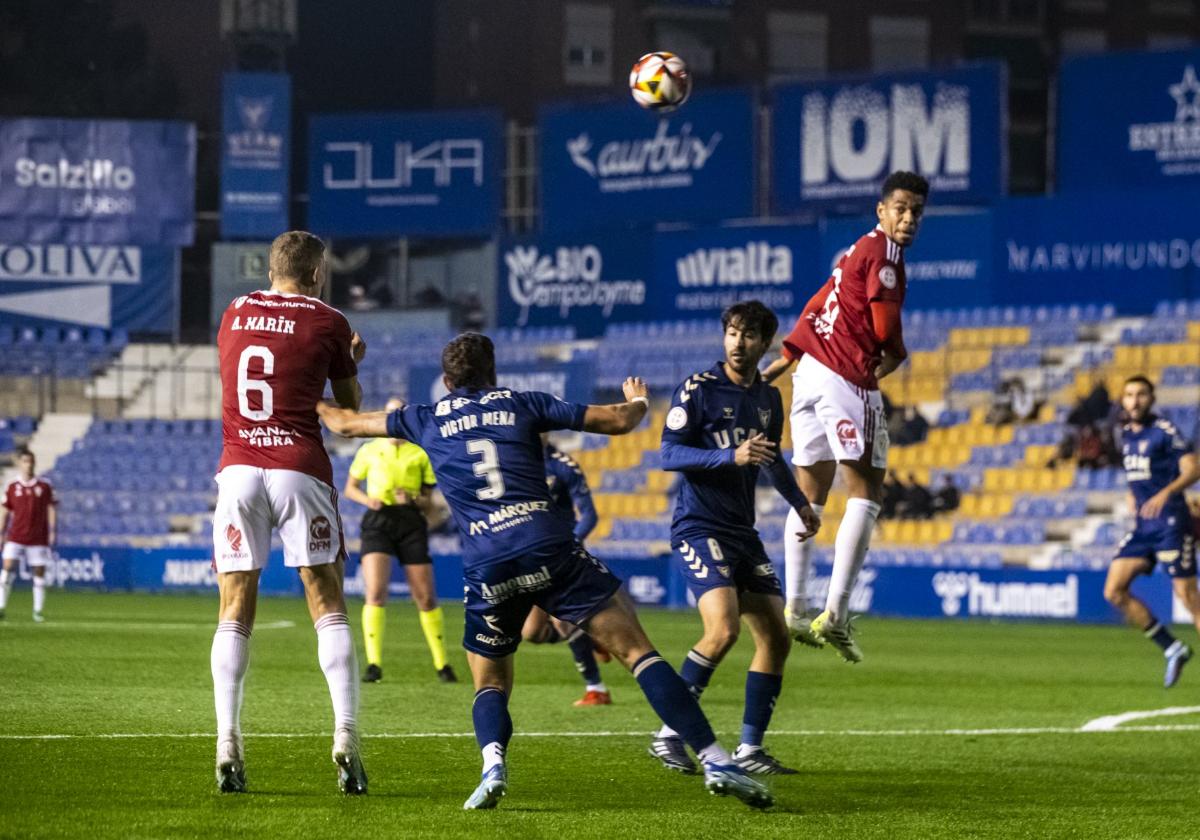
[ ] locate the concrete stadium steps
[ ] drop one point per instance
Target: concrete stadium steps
(55, 436)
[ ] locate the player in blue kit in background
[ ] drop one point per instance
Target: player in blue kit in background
(1159, 465)
(572, 498)
(724, 424)
(518, 552)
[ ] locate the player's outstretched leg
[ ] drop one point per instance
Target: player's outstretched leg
(493, 731)
(797, 564)
(849, 553)
(229, 660)
(618, 629)
(1121, 574)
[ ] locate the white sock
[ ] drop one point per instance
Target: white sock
(797, 558)
(714, 753)
(493, 754)
(667, 732)
(230, 657)
(849, 552)
(6, 585)
(39, 594)
(335, 651)
(597, 687)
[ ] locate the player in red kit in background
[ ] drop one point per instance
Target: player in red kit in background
(30, 515)
(847, 339)
(277, 349)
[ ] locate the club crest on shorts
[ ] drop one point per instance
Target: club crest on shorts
(848, 435)
(233, 536)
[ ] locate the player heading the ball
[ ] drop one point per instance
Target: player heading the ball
(520, 552)
(847, 339)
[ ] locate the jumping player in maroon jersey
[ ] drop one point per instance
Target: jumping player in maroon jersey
(847, 339)
(29, 511)
(277, 349)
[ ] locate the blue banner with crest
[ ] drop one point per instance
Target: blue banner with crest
(255, 154)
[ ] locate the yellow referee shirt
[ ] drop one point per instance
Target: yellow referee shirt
(388, 468)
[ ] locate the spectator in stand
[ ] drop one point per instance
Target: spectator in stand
(893, 494)
(913, 429)
(947, 497)
(918, 501)
(1092, 453)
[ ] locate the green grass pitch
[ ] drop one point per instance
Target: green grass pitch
(872, 739)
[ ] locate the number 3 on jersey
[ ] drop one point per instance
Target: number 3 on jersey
(246, 385)
(489, 467)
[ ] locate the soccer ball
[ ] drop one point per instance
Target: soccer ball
(660, 81)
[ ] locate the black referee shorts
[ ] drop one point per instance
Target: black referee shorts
(396, 530)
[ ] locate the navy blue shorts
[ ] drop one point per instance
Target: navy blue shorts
(708, 562)
(1171, 546)
(564, 580)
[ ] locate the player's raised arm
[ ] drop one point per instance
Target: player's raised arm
(348, 422)
(619, 418)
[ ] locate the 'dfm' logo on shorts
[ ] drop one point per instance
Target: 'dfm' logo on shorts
(319, 534)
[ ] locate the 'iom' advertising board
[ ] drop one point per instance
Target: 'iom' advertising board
(584, 280)
(834, 142)
(131, 287)
(405, 174)
(613, 165)
(949, 265)
(97, 182)
(698, 273)
(1129, 120)
(1068, 249)
(255, 161)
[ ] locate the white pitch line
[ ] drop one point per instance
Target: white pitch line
(1103, 724)
(144, 625)
(797, 733)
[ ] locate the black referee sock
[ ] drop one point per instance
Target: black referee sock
(1159, 634)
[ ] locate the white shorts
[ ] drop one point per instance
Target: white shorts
(252, 501)
(33, 555)
(835, 420)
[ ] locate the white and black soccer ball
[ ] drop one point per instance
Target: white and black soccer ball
(660, 81)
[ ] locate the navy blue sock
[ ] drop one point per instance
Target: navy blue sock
(585, 657)
(493, 725)
(697, 670)
(761, 693)
(1159, 634)
(671, 699)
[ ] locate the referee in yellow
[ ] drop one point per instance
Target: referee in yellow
(400, 482)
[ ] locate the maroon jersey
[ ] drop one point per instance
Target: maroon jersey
(277, 350)
(836, 327)
(28, 504)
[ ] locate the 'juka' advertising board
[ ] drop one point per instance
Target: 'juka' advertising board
(698, 273)
(405, 174)
(833, 143)
(1129, 120)
(255, 162)
(616, 165)
(585, 280)
(128, 286)
(97, 182)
